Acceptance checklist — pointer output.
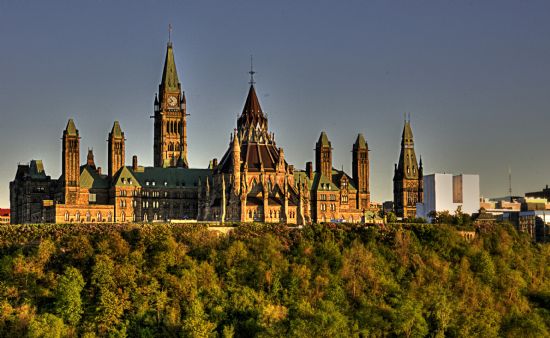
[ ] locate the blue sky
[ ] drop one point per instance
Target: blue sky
(474, 75)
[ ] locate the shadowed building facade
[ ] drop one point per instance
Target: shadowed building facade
(408, 177)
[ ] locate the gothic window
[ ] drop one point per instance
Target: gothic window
(155, 216)
(123, 216)
(408, 170)
(133, 217)
(77, 216)
(250, 213)
(109, 217)
(145, 217)
(99, 219)
(66, 215)
(88, 217)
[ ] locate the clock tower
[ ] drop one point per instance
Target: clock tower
(170, 114)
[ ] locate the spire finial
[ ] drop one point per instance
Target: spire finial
(252, 72)
(405, 117)
(409, 117)
(169, 32)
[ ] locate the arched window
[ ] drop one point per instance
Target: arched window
(109, 217)
(66, 216)
(145, 217)
(250, 213)
(88, 217)
(180, 130)
(99, 217)
(133, 217)
(123, 216)
(155, 216)
(77, 216)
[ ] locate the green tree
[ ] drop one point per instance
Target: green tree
(196, 324)
(47, 326)
(68, 302)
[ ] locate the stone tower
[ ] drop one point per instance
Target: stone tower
(408, 177)
(170, 130)
(323, 156)
(360, 171)
(116, 149)
(71, 163)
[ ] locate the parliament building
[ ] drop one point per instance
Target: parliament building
(252, 182)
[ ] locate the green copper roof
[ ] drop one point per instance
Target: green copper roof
(170, 81)
(323, 140)
(90, 179)
(360, 142)
(125, 177)
(71, 128)
(116, 131)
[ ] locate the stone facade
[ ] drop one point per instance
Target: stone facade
(252, 181)
(408, 184)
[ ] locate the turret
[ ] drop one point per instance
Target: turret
(323, 156)
(360, 169)
(71, 162)
(236, 162)
(116, 151)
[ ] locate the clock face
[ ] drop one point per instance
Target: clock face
(172, 101)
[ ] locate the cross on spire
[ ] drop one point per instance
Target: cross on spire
(169, 32)
(252, 72)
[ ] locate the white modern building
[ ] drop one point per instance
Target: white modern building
(446, 192)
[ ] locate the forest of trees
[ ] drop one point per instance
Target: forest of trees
(151, 280)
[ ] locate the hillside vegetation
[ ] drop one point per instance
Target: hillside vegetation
(320, 281)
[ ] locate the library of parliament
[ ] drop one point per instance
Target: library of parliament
(252, 182)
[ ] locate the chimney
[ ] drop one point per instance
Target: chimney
(309, 170)
(99, 170)
(134, 163)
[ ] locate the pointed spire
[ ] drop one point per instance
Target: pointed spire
(407, 136)
(170, 81)
(323, 140)
(71, 128)
(360, 143)
(116, 131)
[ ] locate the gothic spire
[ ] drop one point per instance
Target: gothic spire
(71, 128)
(116, 131)
(170, 81)
(407, 166)
(360, 142)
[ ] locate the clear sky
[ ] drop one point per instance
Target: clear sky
(474, 75)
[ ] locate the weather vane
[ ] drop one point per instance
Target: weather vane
(252, 72)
